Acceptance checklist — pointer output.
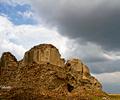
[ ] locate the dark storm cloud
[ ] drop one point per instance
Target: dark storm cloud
(96, 21)
(85, 21)
(97, 59)
(111, 88)
(105, 66)
(93, 25)
(88, 52)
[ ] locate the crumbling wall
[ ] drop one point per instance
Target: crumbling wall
(8, 61)
(43, 54)
(8, 67)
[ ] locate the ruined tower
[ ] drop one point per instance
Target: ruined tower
(43, 53)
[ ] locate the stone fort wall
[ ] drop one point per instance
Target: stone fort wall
(44, 54)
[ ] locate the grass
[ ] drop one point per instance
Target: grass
(110, 97)
(114, 96)
(107, 97)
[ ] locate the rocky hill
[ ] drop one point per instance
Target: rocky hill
(43, 74)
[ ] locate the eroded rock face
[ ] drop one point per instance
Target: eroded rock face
(79, 75)
(75, 64)
(43, 53)
(8, 66)
(78, 66)
(44, 72)
(8, 61)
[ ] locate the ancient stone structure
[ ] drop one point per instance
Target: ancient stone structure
(8, 61)
(8, 67)
(78, 66)
(75, 64)
(44, 54)
(42, 72)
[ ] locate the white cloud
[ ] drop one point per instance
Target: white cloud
(108, 77)
(27, 36)
(18, 39)
(26, 14)
(110, 81)
(14, 2)
(114, 55)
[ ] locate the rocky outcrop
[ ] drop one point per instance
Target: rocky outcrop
(8, 67)
(79, 75)
(8, 61)
(43, 54)
(78, 66)
(45, 73)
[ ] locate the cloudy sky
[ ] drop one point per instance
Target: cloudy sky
(89, 30)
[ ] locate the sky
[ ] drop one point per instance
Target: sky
(84, 29)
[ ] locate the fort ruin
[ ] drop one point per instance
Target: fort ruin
(44, 54)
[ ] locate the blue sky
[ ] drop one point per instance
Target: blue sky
(26, 31)
(16, 13)
(82, 29)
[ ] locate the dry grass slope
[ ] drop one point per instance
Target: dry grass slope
(114, 96)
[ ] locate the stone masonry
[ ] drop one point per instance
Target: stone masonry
(44, 54)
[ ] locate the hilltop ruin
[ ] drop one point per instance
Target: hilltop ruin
(42, 72)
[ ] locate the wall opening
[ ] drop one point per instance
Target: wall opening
(48, 63)
(68, 64)
(70, 87)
